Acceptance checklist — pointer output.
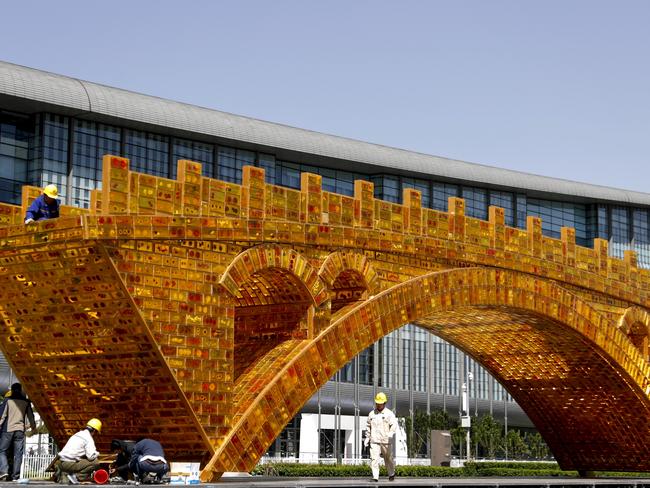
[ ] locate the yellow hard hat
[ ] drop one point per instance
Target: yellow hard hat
(381, 397)
(51, 191)
(95, 424)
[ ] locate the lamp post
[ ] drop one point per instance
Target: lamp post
(466, 420)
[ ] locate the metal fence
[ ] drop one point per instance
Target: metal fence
(34, 466)
(401, 461)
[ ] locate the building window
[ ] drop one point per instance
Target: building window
(556, 215)
(521, 211)
(441, 193)
(475, 202)
(289, 175)
(422, 186)
(504, 200)
(452, 385)
(287, 444)
(231, 161)
(91, 142)
(420, 359)
(267, 161)
(327, 443)
(16, 140)
(386, 361)
(387, 188)
(498, 392)
(641, 237)
(194, 151)
(603, 223)
(148, 153)
(406, 338)
(227, 164)
(438, 355)
(620, 240)
(54, 167)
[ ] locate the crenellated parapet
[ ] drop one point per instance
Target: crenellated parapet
(135, 205)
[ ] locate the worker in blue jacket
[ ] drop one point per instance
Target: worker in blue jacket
(148, 461)
(46, 206)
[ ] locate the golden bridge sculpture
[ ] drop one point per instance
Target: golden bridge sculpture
(205, 313)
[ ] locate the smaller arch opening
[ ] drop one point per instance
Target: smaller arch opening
(273, 306)
(638, 335)
(635, 324)
(348, 287)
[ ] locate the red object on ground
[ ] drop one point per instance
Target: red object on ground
(100, 476)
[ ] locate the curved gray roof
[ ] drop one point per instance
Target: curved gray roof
(88, 98)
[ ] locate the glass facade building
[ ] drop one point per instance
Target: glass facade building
(43, 142)
(50, 148)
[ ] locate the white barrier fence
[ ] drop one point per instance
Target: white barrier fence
(34, 466)
(400, 461)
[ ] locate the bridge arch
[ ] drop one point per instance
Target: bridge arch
(635, 324)
(276, 293)
(580, 380)
(349, 277)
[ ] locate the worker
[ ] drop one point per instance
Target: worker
(46, 206)
(148, 461)
(120, 467)
(79, 457)
(380, 430)
(10, 451)
(16, 408)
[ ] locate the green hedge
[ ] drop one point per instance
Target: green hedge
(471, 469)
(528, 473)
(429, 472)
(511, 465)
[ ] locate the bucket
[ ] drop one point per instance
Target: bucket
(100, 476)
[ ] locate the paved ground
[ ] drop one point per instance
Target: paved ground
(264, 482)
(260, 482)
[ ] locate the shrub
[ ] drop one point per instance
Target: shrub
(471, 469)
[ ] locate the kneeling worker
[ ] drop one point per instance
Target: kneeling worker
(148, 457)
(78, 458)
(123, 450)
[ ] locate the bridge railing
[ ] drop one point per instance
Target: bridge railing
(133, 204)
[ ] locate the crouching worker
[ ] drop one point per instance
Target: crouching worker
(78, 458)
(123, 450)
(148, 462)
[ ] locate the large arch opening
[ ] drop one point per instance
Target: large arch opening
(577, 376)
(566, 384)
(277, 296)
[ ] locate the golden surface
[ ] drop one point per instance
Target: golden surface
(206, 313)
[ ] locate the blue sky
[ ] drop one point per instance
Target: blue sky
(558, 88)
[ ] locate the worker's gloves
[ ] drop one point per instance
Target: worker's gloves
(29, 221)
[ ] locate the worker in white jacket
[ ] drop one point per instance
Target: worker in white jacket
(380, 429)
(78, 458)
